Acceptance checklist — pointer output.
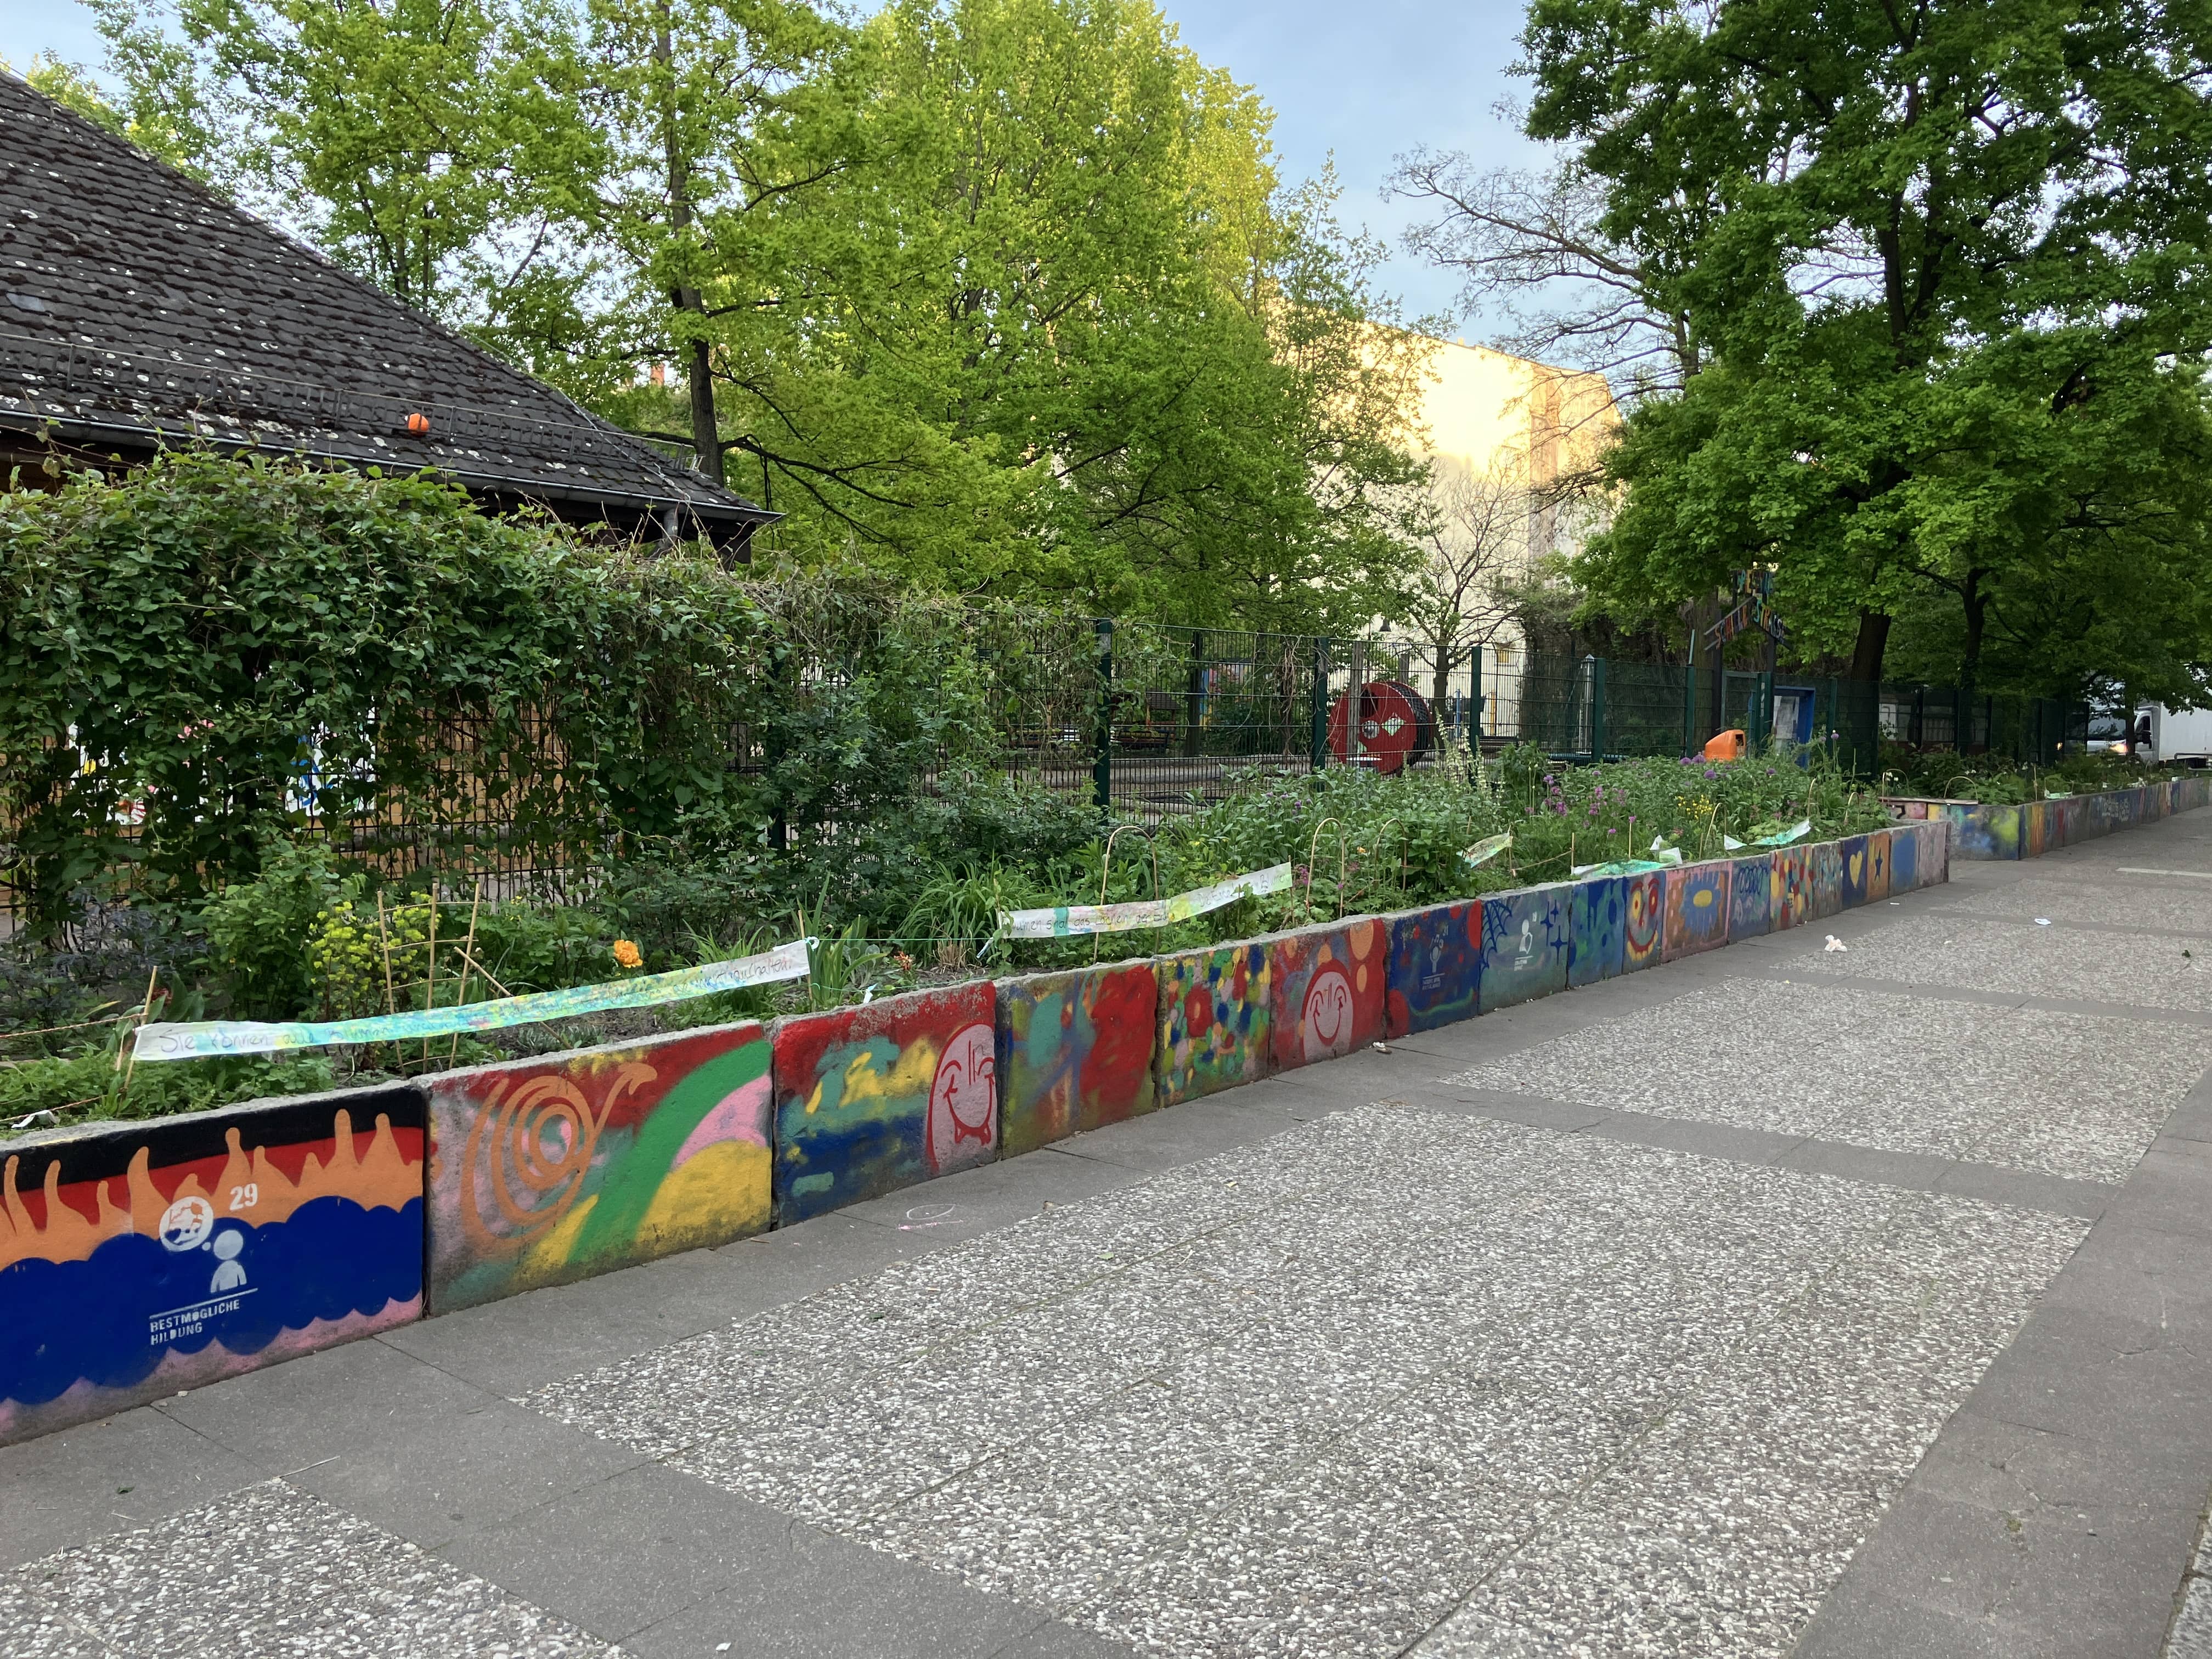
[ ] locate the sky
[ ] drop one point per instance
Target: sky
(1365, 83)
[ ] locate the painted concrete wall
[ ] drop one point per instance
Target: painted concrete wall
(1789, 887)
(1435, 966)
(1525, 943)
(1905, 858)
(1644, 925)
(1877, 865)
(880, 1096)
(1075, 1052)
(1597, 930)
(138, 1259)
(548, 1170)
(1751, 900)
(1697, 910)
(1328, 989)
(1214, 1019)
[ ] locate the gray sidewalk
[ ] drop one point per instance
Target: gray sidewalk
(1777, 1301)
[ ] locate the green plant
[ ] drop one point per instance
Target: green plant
(261, 934)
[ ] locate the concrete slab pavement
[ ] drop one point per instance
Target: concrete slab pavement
(1774, 1301)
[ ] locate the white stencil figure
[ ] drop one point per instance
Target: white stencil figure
(228, 1275)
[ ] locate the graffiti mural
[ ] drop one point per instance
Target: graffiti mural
(1827, 867)
(544, 1171)
(1986, 832)
(1877, 865)
(1436, 967)
(1905, 857)
(1075, 1052)
(1327, 990)
(1696, 908)
(1854, 850)
(880, 1096)
(1789, 887)
(1214, 1014)
(1525, 942)
(1750, 901)
(138, 1259)
(1596, 929)
(1643, 931)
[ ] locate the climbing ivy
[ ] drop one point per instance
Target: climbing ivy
(215, 655)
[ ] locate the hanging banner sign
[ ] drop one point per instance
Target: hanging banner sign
(1486, 849)
(1067, 921)
(209, 1038)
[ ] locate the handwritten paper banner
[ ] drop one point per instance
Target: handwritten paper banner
(1067, 921)
(209, 1038)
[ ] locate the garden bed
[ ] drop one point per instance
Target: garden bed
(137, 1259)
(2026, 830)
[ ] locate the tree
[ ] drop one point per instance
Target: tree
(1059, 332)
(1538, 239)
(1000, 295)
(1950, 311)
(1474, 536)
(714, 114)
(429, 145)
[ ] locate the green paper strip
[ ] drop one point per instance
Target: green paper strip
(1618, 867)
(207, 1039)
(1486, 849)
(1069, 921)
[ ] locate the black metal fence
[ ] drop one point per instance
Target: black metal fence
(1584, 709)
(1145, 718)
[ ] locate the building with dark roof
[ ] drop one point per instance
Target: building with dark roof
(139, 310)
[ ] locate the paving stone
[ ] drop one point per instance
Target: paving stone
(1389, 1356)
(270, 1569)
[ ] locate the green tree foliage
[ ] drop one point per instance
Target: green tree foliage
(1059, 330)
(434, 146)
(997, 296)
(1943, 272)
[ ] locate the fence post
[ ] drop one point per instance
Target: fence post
(1474, 701)
(1597, 709)
(1102, 760)
(1690, 698)
(1355, 707)
(1320, 734)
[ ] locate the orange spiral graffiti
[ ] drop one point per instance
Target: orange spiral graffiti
(531, 1151)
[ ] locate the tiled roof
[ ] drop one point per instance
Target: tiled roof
(135, 306)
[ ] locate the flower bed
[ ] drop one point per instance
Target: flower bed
(2028, 830)
(138, 1258)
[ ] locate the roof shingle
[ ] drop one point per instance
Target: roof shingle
(136, 307)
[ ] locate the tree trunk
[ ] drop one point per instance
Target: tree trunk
(698, 372)
(1873, 641)
(1978, 605)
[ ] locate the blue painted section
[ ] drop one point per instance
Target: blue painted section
(1853, 850)
(1436, 967)
(1905, 858)
(1597, 928)
(1524, 945)
(1751, 899)
(110, 1319)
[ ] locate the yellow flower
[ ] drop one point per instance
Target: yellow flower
(627, 955)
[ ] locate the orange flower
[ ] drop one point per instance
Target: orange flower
(627, 955)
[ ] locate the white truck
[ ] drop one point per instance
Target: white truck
(2169, 736)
